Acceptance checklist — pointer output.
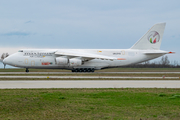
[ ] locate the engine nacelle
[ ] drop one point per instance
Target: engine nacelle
(61, 61)
(75, 62)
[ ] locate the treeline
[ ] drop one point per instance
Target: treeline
(4, 55)
(163, 63)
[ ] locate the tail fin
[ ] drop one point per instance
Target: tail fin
(152, 39)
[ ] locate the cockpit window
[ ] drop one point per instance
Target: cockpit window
(20, 51)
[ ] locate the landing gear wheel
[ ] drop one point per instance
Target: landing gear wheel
(85, 70)
(80, 70)
(89, 70)
(27, 70)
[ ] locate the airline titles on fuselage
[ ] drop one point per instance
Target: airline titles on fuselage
(31, 54)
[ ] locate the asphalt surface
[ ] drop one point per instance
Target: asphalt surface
(91, 84)
(90, 72)
(94, 77)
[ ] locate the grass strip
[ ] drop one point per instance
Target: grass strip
(123, 103)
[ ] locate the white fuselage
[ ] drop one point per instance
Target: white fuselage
(46, 58)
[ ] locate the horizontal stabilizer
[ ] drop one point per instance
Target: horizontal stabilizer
(158, 52)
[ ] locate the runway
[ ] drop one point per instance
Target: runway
(90, 73)
(88, 77)
(91, 84)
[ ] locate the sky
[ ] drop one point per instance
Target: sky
(86, 24)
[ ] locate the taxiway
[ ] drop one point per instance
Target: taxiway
(91, 84)
(88, 77)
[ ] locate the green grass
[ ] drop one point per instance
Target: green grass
(104, 70)
(103, 104)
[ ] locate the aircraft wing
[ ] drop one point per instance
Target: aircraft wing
(85, 55)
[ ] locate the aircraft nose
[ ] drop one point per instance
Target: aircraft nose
(6, 61)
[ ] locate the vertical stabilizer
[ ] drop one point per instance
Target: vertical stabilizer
(152, 39)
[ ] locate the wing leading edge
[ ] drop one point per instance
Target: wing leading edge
(85, 55)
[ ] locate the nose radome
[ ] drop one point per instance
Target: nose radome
(6, 61)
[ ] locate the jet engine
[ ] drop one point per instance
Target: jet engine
(61, 61)
(75, 62)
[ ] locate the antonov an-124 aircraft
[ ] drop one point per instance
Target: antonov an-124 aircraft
(88, 60)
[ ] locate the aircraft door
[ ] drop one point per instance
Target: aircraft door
(26, 61)
(33, 63)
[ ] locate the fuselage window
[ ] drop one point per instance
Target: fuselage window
(20, 51)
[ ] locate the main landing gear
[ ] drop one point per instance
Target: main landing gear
(27, 70)
(83, 70)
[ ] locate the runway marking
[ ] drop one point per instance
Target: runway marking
(91, 84)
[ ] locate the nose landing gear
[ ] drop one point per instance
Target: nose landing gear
(27, 70)
(83, 70)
